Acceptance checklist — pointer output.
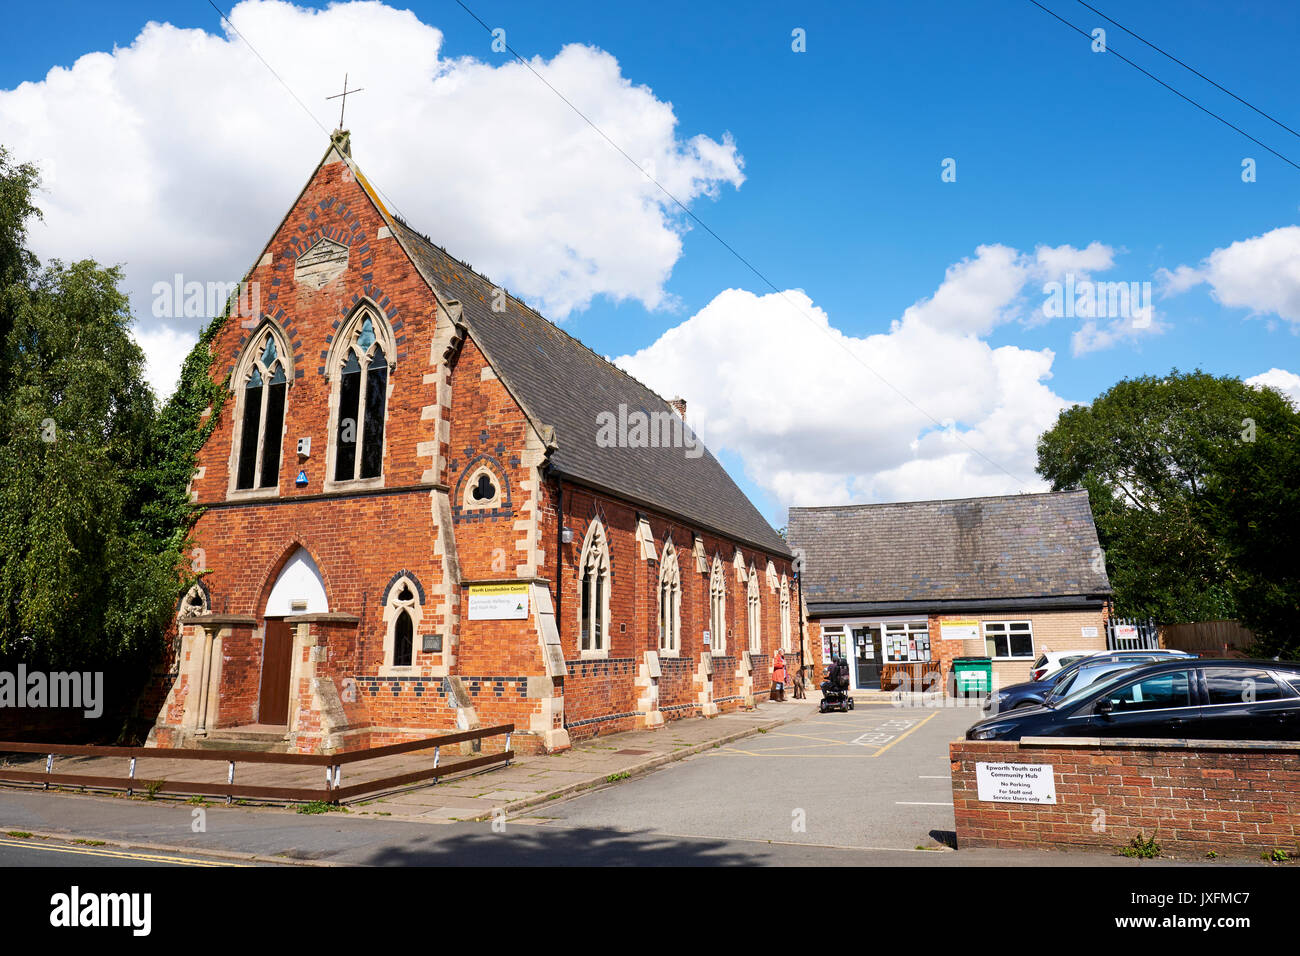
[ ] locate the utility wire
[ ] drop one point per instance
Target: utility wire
(1181, 96)
(748, 265)
(1243, 102)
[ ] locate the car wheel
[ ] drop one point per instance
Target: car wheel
(850, 703)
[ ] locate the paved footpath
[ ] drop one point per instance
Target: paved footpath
(529, 781)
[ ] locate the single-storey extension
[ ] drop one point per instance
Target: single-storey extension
(906, 587)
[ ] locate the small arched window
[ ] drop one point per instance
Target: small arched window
(670, 601)
(261, 403)
(718, 608)
(403, 612)
(593, 591)
(362, 389)
(785, 615)
(755, 614)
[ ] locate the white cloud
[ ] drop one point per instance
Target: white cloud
(165, 349)
(1288, 383)
(1261, 274)
(180, 152)
(797, 400)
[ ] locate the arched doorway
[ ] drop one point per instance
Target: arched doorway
(298, 589)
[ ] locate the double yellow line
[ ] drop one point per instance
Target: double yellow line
(115, 854)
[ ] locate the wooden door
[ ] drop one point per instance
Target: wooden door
(277, 653)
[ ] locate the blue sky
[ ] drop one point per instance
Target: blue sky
(842, 146)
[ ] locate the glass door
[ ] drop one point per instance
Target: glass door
(866, 656)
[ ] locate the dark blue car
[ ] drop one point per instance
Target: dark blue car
(1187, 698)
(1033, 693)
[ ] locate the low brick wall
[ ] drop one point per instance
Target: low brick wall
(1235, 798)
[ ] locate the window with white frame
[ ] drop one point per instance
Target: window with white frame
(1009, 640)
(718, 608)
(785, 615)
(755, 613)
(593, 591)
(905, 641)
(670, 600)
(261, 395)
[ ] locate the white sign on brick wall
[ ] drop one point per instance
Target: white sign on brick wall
(1016, 782)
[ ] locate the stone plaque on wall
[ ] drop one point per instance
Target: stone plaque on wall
(321, 264)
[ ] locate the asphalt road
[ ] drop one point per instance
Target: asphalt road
(864, 788)
(876, 778)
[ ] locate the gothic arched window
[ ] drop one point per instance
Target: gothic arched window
(260, 414)
(718, 607)
(670, 601)
(755, 614)
(403, 611)
(593, 591)
(361, 368)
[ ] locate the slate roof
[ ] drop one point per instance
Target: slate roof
(565, 385)
(1010, 549)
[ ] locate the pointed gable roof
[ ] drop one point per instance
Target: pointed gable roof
(563, 387)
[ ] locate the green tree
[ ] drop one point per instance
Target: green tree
(1253, 508)
(1153, 454)
(93, 509)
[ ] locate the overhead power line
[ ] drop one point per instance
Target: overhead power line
(1183, 96)
(1243, 102)
(946, 426)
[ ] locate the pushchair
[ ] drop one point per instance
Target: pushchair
(835, 688)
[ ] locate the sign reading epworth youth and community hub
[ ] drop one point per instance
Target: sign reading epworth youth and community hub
(498, 602)
(1016, 782)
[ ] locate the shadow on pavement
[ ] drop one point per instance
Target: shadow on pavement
(523, 845)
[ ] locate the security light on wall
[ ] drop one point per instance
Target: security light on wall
(566, 535)
(304, 447)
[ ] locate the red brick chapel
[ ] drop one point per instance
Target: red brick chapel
(411, 522)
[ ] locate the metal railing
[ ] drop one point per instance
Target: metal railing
(333, 792)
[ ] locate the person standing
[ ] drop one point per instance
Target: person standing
(778, 676)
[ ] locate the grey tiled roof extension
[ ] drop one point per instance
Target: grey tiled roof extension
(970, 549)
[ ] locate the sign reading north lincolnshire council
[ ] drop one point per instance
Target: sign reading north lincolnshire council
(1016, 782)
(498, 602)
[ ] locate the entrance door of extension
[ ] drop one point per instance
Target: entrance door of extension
(866, 657)
(277, 654)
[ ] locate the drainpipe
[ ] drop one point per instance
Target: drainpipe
(803, 640)
(559, 557)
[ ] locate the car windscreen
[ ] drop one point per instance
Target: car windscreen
(1088, 690)
(1087, 679)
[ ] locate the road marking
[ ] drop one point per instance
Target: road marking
(922, 803)
(116, 854)
(905, 733)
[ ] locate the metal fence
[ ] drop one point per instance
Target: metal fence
(332, 764)
(1132, 634)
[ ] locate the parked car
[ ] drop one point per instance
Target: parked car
(1033, 693)
(1049, 662)
(1187, 698)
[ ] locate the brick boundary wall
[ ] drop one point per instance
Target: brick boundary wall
(1233, 798)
